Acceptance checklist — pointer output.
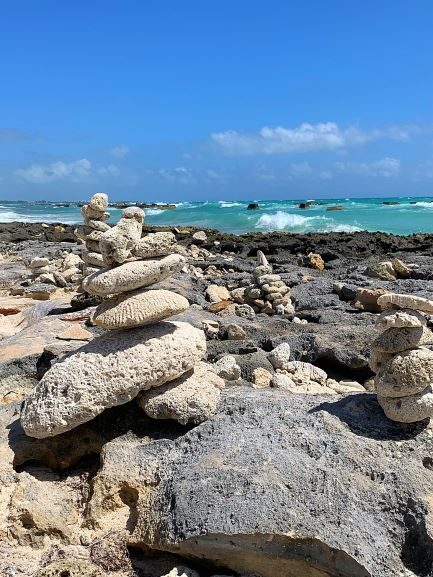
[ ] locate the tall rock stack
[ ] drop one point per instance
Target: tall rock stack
(268, 293)
(95, 214)
(401, 359)
(141, 350)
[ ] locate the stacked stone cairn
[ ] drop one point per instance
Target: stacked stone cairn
(402, 358)
(142, 355)
(95, 214)
(267, 293)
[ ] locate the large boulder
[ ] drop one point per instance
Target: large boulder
(109, 371)
(285, 485)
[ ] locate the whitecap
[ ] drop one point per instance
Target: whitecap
(227, 204)
(284, 220)
(428, 205)
(11, 216)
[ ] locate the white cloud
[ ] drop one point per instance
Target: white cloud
(326, 175)
(120, 151)
(75, 171)
(385, 167)
(304, 138)
(179, 174)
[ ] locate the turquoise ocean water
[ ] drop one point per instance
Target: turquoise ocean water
(410, 215)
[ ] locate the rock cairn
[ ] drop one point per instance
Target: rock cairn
(95, 214)
(141, 350)
(401, 359)
(267, 293)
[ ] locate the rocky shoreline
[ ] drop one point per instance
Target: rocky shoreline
(267, 479)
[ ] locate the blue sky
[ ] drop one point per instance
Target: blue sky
(192, 100)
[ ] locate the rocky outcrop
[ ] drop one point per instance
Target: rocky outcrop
(272, 485)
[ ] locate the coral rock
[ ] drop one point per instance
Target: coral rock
(156, 244)
(408, 409)
(192, 398)
(116, 244)
(109, 371)
(133, 275)
(139, 308)
(405, 374)
(396, 340)
(398, 301)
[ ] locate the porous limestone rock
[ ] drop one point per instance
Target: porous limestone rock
(215, 293)
(280, 356)
(39, 262)
(396, 340)
(156, 244)
(117, 244)
(383, 270)
(261, 378)
(227, 368)
(93, 258)
(235, 332)
(400, 318)
(109, 371)
(378, 359)
(402, 270)
(305, 371)
(99, 201)
(138, 308)
(192, 398)
(200, 236)
(90, 213)
(133, 275)
(408, 409)
(283, 381)
(399, 301)
(406, 373)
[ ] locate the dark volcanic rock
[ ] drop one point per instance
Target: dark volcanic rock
(287, 485)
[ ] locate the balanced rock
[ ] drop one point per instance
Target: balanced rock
(399, 301)
(118, 243)
(138, 308)
(133, 275)
(400, 319)
(99, 201)
(156, 244)
(192, 398)
(110, 370)
(396, 340)
(408, 409)
(406, 373)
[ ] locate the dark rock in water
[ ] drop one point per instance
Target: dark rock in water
(307, 204)
(285, 484)
(336, 207)
(253, 206)
(390, 202)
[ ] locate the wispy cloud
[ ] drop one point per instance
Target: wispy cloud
(300, 169)
(304, 138)
(120, 151)
(76, 171)
(386, 167)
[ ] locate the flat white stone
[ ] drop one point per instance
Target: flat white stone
(133, 275)
(408, 409)
(139, 308)
(413, 302)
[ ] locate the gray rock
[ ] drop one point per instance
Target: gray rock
(286, 485)
(227, 368)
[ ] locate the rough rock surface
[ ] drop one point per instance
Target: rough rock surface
(157, 244)
(116, 244)
(394, 300)
(138, 308)
(132, 275)
(408, 409)
(272, 484)
(405, 374)
(395, 340)
(192, 398)
(109, 371)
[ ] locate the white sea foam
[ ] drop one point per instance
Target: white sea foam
(284, 220)
(152, 211)
(428, 205)
(11, 216)
(226, 204)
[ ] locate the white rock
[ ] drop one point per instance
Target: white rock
(192, 398)
(109, 371)
(408, 409)
(215, 293)
(181, 571)
(235, 333)
(71, 260)
(93, 258)
(139, 308)
(39, 262)
(282, 381)
(405, 374)
(394, 300)
(378, 359)
(116, 245)
(156, 244)
(227, 368)
(200, 236)
(261, 378)
(280, 356)
(400, 319)
(99, 201)
(133, 275)
(90, 213)
(306, 371)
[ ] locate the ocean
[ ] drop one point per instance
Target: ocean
(409, 215)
